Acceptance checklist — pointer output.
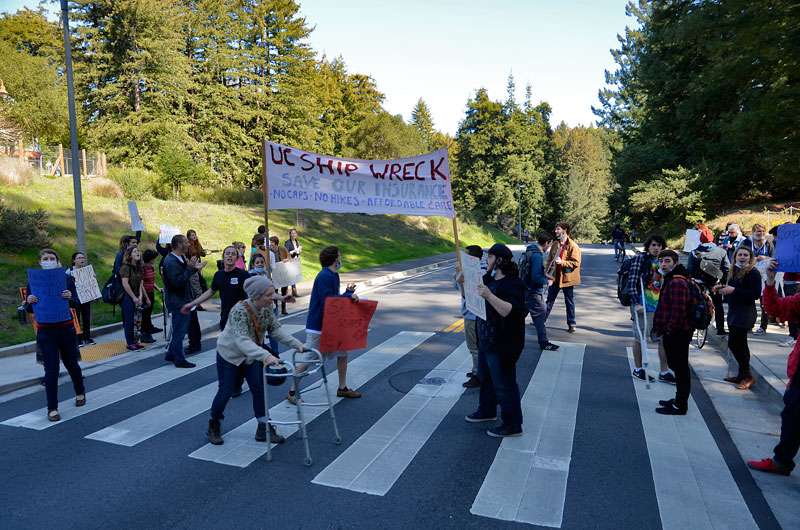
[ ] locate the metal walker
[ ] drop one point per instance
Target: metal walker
(314, 366)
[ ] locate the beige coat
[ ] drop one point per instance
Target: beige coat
(570, 273)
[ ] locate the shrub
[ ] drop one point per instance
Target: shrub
(136, 183)
(105, 188)
(15, 172)
(21, 229)
(222, 195)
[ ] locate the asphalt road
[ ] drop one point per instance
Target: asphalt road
(58, 478)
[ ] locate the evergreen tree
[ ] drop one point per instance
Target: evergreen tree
(422, 120)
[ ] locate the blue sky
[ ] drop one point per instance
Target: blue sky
(444, 50)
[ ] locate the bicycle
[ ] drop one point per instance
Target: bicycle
(619, 249)
(700, 335)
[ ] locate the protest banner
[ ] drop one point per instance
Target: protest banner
(473, 277)
(286, 273)
(787, 248)
(86, 284)
(47, 285)
(692, 240)
(345, 323)
(136, 220)
(167, 233)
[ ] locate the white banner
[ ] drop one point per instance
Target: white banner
(136, 219)
(86, 284)
(286, 273)
(692, 240)
(411, 186)
(473, 277)
(167, 233)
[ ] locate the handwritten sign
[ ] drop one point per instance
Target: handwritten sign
(473, 277)
(136, 219)
(345, 323)
(47, 285)
(86, 284)
(286, 273)
(787, 248)
(167, 233)
(692, 240)
(412, 186)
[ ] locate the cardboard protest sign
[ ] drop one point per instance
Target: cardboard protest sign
(412, 186)
(287, 273)
(167, 233)
(787, 248)
(136, 219)
(47, 285)
(345, 323)
(473, 277)
(86, 284)
(692, 240)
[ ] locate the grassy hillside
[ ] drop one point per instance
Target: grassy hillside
(365, 240)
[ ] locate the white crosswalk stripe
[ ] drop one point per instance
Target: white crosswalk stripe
(527, 481)
(240, 448)
(377, 459)
(694, 487)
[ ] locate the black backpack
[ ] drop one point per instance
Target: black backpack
(622, 281)
(524, 264)
(702, 311)
(112, 290)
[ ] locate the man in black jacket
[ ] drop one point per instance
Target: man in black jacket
(177, 292)
(718, 257)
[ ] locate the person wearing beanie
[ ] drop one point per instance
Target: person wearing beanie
(240, 350)
(718, 257)
(501, 337)
(564, 264)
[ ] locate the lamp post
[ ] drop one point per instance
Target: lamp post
(73, 134)
(520, 210)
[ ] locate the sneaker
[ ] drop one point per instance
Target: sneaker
(666, 402)
(89, 342)
(477, 417)
(761, 331)
(347, 393)
(667, 378)
(504, 431)
(641, 374)
(185, 364)
(768, 466)
(213, 432)
(570, 329)
(472, 382)
(788, 343)
(147, 339)
(549, 347)
(291, 397)
(133, 347)
(671, 410)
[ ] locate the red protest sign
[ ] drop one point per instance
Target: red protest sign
(345, 323)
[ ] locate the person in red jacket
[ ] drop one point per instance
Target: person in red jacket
(782, 461)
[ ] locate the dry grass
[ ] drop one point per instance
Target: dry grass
(15, 172)
(105, 188)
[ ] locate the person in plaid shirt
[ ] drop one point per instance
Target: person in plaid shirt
(671, 324)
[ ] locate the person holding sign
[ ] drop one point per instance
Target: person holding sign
(294, 249)
(470, 323)
(56, 335)
(84, 311)
(326, 284)
(132, 277)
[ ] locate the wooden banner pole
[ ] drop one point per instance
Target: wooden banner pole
(458, 244)
(264, 186)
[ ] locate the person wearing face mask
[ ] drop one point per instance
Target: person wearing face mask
(763, 249)
(741, 293)
(58, 339)
(326, 284)
(565, 263)
(671, 323)
(260, 269)
(177, 292)
(132, 276)
(501, 338)
(709, 251)
(84, 311)
(537, 283)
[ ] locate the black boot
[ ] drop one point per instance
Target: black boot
(214, 436)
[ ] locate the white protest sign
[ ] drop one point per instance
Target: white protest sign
(692, 240)
(136, 219)
(473, 277)
(167, 233)
(286, 273)
(86, 284)
(411, 186)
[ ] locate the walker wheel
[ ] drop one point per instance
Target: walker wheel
(337, 440)
(308, 461)
(269, 458)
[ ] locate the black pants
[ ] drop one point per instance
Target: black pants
(84, 313)
(719, 310)
(195, 338)
(737, 342)
(147, 313)
(791, 290)
(59, 342)
(764, 315)
(676, 346)
(789, 443)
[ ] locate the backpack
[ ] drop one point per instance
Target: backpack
(112, 290)
(702, 311)
(622, 282)
(524, 264)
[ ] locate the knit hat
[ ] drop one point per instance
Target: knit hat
(499, 250)
(706, 236)
(257, 285)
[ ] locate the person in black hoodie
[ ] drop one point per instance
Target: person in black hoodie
(501, 338)
(741, 293)
(709, 251)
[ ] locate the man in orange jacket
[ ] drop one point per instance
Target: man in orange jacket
(564, 264)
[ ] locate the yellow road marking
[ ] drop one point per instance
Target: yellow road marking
(454, 325)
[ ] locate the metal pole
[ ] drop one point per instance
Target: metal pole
(73, 134)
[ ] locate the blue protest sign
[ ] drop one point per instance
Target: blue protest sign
(47, 286)
(787, 248)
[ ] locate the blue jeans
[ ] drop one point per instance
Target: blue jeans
(537, 307)
(272, 342)
(128, 309)
(180, 325)
(228, 374)
(569, 300)
(619, 245)
(54, 342)
(499, 386)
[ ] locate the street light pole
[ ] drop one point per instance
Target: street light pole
(520, 211)
(73, 134)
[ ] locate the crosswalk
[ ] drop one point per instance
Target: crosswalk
(527, 481)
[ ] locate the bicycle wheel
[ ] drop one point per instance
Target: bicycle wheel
(700, 338)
